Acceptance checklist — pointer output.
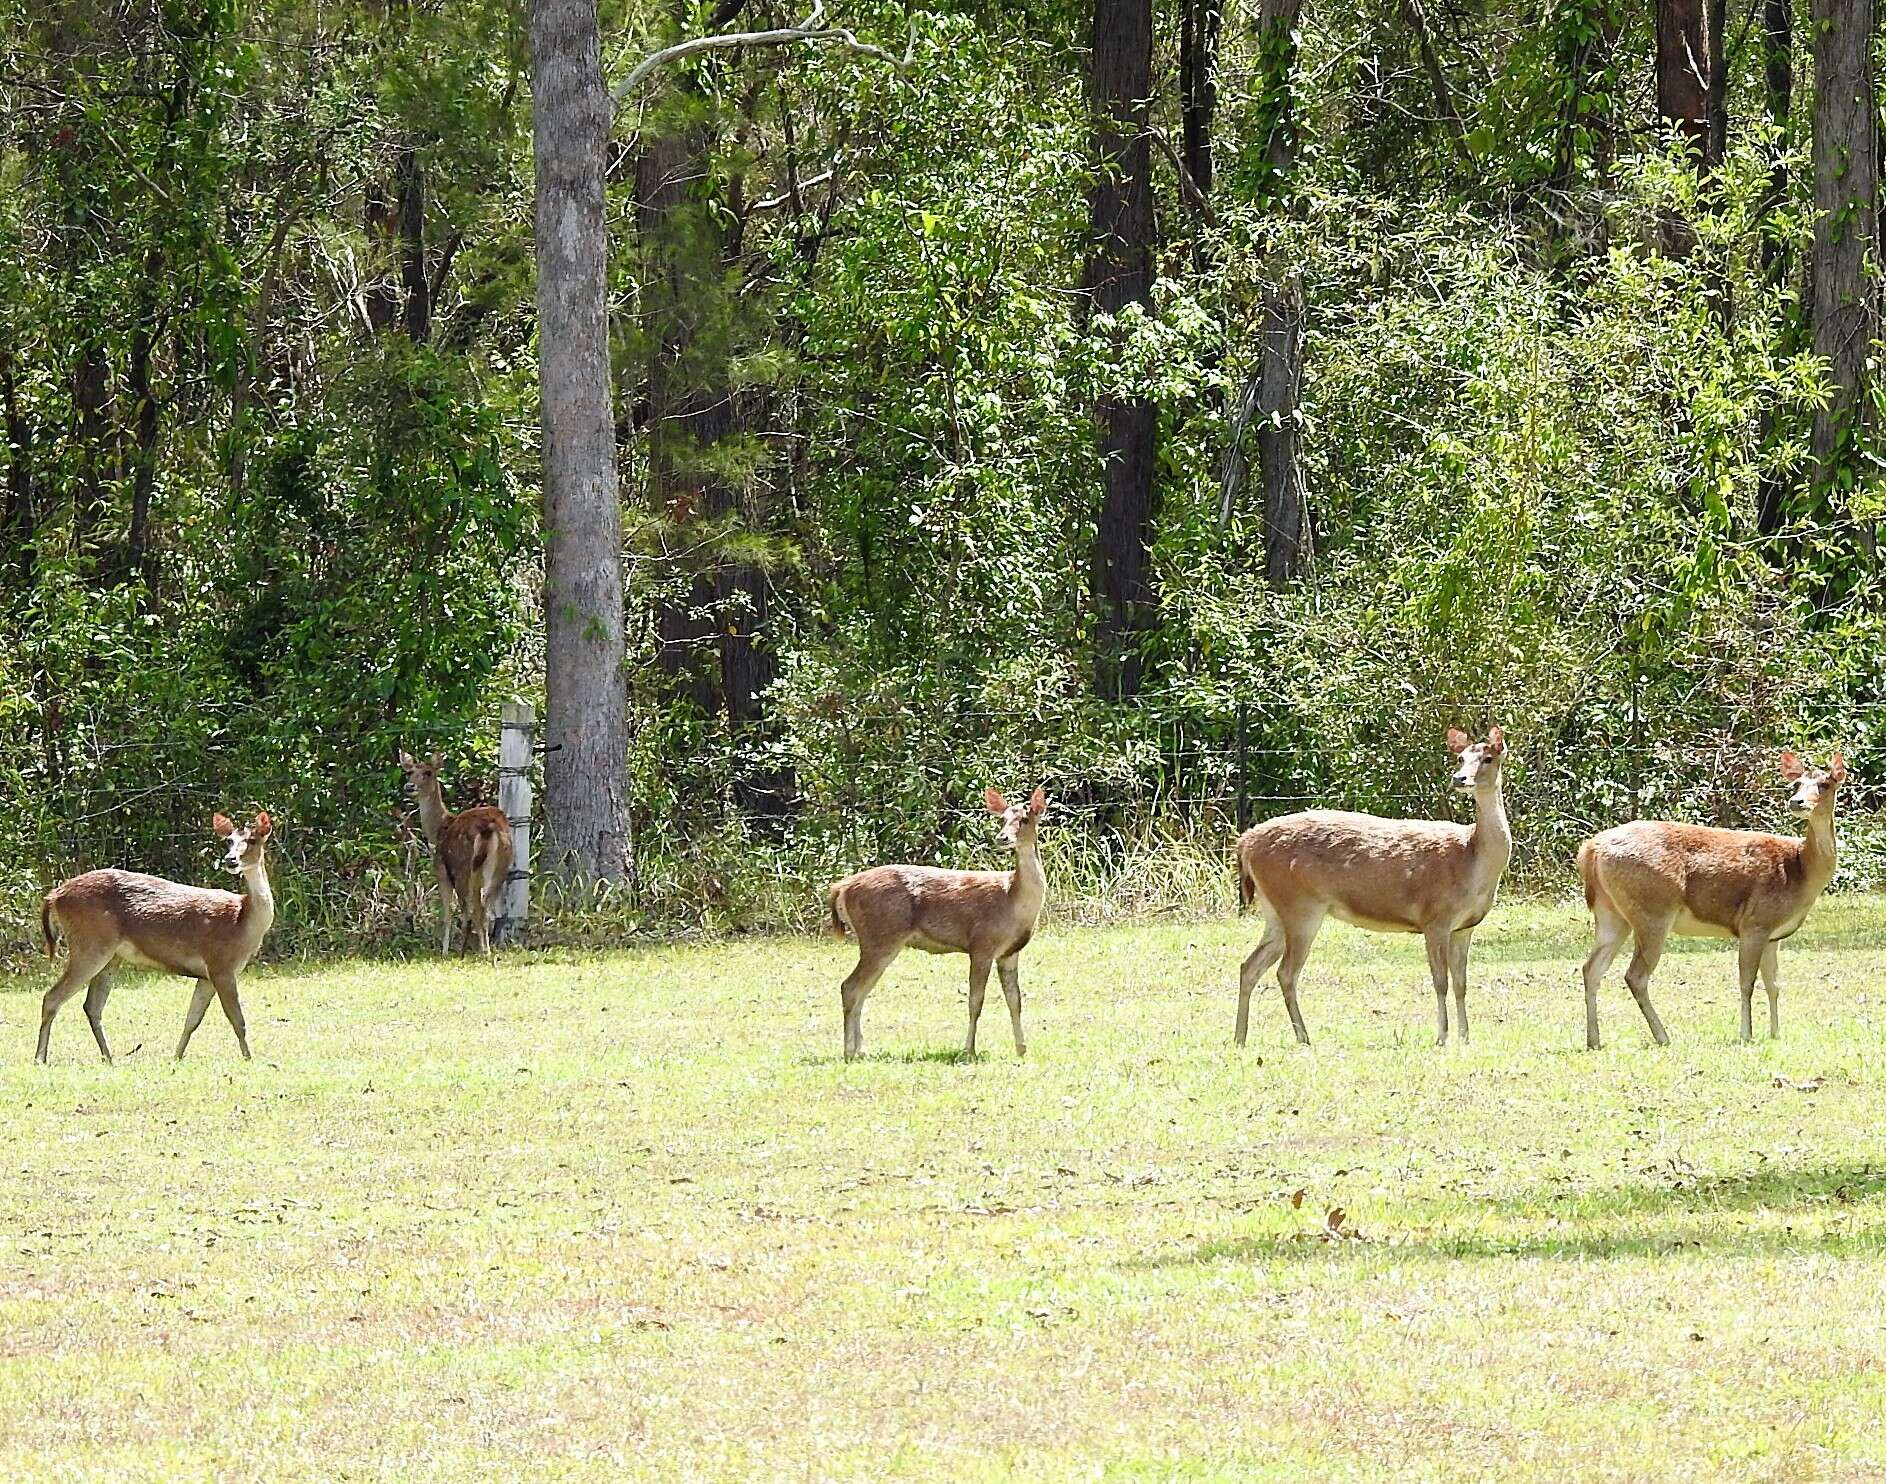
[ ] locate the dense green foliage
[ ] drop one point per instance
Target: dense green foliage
(268, 484)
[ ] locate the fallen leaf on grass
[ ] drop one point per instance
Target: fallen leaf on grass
(1296, 1199)
(1811, 1084)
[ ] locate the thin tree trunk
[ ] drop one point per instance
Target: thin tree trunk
(380, 219)
(409, 177)
(1778, 80)
(1119, 272)
(1200, 23)
(139, 560)
(1274, 383)
(1846, 173)
(1691, 93)
(586, 720)
(19, 519)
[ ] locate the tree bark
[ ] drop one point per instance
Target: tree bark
(586, 716)
(1683, 70)
(19, 518)
(1120, 272)
(1846, 175)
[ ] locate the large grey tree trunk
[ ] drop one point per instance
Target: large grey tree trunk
(1120, 272)
(585, 710)
(1846, 178)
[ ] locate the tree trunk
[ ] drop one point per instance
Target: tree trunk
(1286, 539)
(1778, 81)
(1200, 23)
(1683, 70)
(1274, 382)
(1692, 93)
(410, 180)
(586, 721)
(1120, 272)
(1846, 170)
(19, 518)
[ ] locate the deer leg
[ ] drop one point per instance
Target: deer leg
(95, 998)
(445, 912)
(193, 1017)
(1749, 955)
(1771, 981)
(1298, 938)
(978, 982)
(78, 973)
(1457, 971)
(858, 983)
(1267, 952)
(1010, 971)
(232, 1008)
(1650, 936)
(1438, 940)
(1611, 931)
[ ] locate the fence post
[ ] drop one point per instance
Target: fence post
(517, 726)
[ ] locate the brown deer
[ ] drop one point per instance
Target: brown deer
(1652, 878)
(471, 853)
(989, 915)
(112, 917)
(1422, 876)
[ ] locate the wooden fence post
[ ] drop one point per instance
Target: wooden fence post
(517, 731)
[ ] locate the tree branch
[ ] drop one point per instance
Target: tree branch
(808, 30)
(1188, 187)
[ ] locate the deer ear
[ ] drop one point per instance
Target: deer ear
(437, 762)
(221, 824)
(1791, 768)
(1498, 738)
(263, 824)
(1837, 769)
(1457, 742)
(992, 799)
(406, 760)
(1038, 802)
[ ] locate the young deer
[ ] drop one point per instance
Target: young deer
(109, 917)
(1389, 875)
(1653, 878)
(471, 853)
(989, 915)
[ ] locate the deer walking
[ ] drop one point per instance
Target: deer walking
(989, 915)
(113, 917)
(471, 853)
(1422, 876)
(1651, 878)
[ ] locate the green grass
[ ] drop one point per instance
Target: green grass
(629, 1216)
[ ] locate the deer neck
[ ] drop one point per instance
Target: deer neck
(258, 902)
(1817, 846)
(432, 813)
(1028, 883)
(1492, 841)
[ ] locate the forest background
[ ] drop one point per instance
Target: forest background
(1196, 408)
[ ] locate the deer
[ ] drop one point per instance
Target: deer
(123, 917)
(989, 915)
(1652, 877)
(471, 853)
(1431, 877)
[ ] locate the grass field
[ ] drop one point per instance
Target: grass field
(629, 1216)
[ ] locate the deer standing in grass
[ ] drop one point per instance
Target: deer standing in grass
(989, 915)
(1422, 876)
(471, 853)
(1652, 878)
(113, 917)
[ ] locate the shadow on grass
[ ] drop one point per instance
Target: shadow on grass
(945, 1055)
(1640, 1219)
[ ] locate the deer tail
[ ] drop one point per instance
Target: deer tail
(1247, 883)
(1588, 869)
(481, 852)
(48, 933)
(835, 908)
